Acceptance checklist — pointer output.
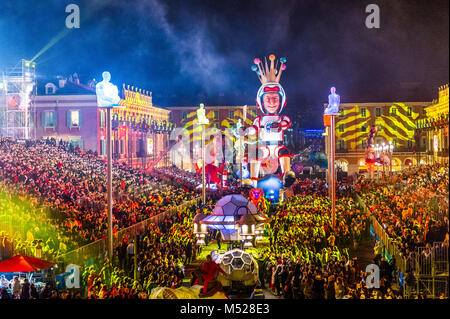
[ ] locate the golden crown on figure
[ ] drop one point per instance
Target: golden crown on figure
(269, 73)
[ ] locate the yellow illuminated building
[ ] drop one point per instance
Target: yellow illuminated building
(433, 130)
(395, 122)
(131, 144)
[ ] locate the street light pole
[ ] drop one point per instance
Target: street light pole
(240, 159)
(109, 182)
(108, 97)
(330, 120)
(391, 149)
(332, 170)
(241, 151)
(203, 166)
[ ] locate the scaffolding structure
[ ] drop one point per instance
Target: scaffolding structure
(17, 110)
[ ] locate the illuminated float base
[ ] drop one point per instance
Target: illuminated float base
(183, 293)
(271, 186)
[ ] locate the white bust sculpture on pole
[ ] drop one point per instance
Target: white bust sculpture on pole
(333, 102)
(107, 93)
(201, 117)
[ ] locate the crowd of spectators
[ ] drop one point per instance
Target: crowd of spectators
(306, 259)
(59, 190)
(413, 209)
(162, 253)
(63, 192)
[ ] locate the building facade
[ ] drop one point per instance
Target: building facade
(220, 118)
(432, 131)
(395, 123)
(67, 110)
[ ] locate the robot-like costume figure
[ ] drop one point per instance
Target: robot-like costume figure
(269, 128)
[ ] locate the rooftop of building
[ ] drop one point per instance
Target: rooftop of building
(65, 85)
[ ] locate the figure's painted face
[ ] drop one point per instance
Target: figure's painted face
(271, 102)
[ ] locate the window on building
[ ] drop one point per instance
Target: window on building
(231, 114)
(76, 141)
(378, 112)
(424, 112)
(408, 111)
(341, 144)
(362, 112)
(410, 145)
(102, 118)
(102, 147)
(216, 115)
(74, 118)
(122, 147)
(395, 142)
(393, 111)
(48, 119)
(342, 113)
(341, 128)
(363, 128)
(50, 89)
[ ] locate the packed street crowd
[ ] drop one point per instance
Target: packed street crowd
(64, 189)
(306, 259)
(413, 208)
(52, 201)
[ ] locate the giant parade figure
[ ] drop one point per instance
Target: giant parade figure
(269, 128)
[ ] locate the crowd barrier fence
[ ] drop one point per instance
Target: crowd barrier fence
(85, 255)
(430, 265)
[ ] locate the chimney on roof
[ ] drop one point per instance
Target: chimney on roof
(61, 81)
(76, 80)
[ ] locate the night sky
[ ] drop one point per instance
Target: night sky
(192, 51)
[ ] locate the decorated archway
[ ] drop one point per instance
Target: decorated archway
(396, 165)
(362, 167)
(410, 162)
(342, 164)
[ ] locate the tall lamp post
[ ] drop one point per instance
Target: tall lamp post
(377, 150)
(108, 97)
(384, 149)
(390, 150)
(241, 151)
(202, 120)
(329, 120)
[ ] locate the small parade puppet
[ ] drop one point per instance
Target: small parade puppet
(269, 128)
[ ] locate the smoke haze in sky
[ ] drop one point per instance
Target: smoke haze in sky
(192, 51)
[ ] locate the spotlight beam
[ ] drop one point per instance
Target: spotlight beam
(52, 42)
